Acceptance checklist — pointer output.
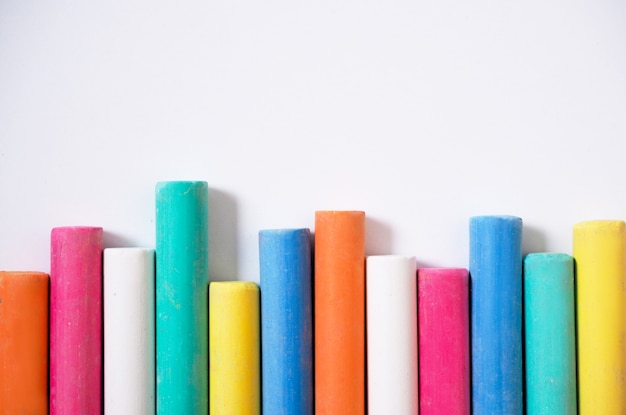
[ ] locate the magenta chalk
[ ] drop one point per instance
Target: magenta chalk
(443, 298)
(76, 321)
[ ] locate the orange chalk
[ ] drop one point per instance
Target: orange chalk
(24, 343)
(340, 312)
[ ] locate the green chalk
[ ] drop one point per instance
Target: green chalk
(181, 298)
(550, 334)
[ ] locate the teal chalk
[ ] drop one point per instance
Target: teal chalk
(182, 358)
(550, 334)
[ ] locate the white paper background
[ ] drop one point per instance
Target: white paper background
(421, 113)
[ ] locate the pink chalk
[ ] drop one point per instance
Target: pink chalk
(76, 321)
(443, 309)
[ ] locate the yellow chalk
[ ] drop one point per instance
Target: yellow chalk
(600, 254)
(234, 349)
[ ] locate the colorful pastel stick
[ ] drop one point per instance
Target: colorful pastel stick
(339, 312)
(600, 255)
(443, 298)
(24, 343)
(496, 318)
(182, 277)
(550, 334)
(287, 321)
(392, 356)
(234, 341)
(129, 356)
(76, 321)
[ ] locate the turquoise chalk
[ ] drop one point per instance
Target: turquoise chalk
(550, 334)
(182, 361)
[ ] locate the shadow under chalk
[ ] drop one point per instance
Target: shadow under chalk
(378, 237)
(419, 264)
(114, 240)
(223, 230)
(533, 240)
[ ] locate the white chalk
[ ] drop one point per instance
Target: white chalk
(129, 326)
(392, 362)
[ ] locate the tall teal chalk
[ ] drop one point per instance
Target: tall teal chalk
(182, 358)
(550, 334)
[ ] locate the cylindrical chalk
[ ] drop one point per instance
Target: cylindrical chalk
(129, 374)
(600, 255)
(234, 341)
(550, 334)
(24, 343)
(181, 297)
(287, 321)
(496, 303)
(339, 312)
(392, 356)
(76, 321)
(443, 298)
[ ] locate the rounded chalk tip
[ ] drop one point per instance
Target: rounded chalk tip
(129, 250)
(496, 218)
(60, 236)
(271, 233)
(546, 257)
(76, 229)
(442, 272)
(600, 226)
(327, 213)
(495, 223)
(24, 275)
(381, 266)
(181, 186)
(389, 259)
(233, 286)
(125, 254)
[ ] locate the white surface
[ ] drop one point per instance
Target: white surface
(392, 366)
(129, 340)
(421, 113)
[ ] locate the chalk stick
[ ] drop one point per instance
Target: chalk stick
(550, 334)
(286, 321)
(181, 297)
(76, 321)
(23, 343)
(443, 298)
(392, 355)
(339, 312)
(129, 355)
(599, 252)
(234, 341)
(496, 318)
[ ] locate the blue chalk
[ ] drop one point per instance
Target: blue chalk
(496, 292)
(286, 321)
